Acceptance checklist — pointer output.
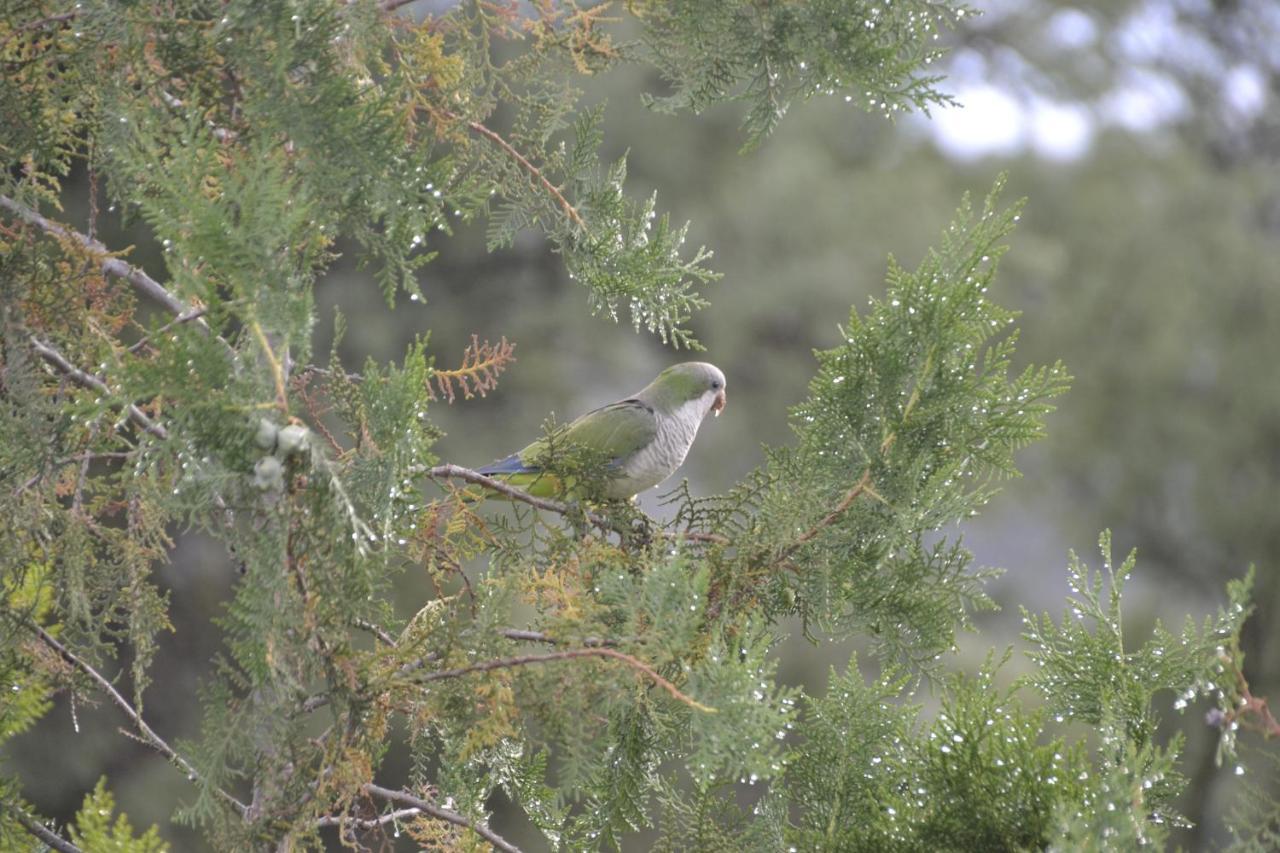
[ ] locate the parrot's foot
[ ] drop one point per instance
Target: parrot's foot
(641, 532)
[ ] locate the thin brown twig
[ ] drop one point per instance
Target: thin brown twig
(699, 536)
(457, 472)
(448, 471)
(51, 355)
(534, 171)
(442, 557)
(317, 701)
(187, 317)
(570, 654)
(151, 738)
(1251, 712)
(300, 382)
(439, 813)
(862, 487)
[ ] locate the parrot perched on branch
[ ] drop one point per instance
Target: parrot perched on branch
(644, 437)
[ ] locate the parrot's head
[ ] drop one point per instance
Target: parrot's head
(695, 382)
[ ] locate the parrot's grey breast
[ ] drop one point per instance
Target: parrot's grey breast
(658, 460)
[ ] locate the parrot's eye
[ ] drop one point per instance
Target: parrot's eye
(715, 384)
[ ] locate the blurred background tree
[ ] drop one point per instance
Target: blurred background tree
(1144, 135)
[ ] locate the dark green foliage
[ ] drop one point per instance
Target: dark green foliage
(906, 427)
(850, 768)
(1088, 672)
(1255, 816)
(608, 673)
(976, 778)
(768, 54)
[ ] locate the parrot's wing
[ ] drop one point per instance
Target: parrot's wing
(618, 430)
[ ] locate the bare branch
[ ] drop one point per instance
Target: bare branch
(193, 314)
(377, 631)
(392, 5)
(446, 472)
(148, 734)
(534, 171)
(112, 265)
(457, 472)
(50, 838)
(493, 136)
(88, 380)
(525, 660)
(439, 813)
(368, 823)
(522, 635)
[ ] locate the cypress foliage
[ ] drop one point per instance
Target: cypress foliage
(607, 673)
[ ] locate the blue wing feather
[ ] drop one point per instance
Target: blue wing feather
(510, 465)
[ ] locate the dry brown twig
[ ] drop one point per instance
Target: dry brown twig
(525, 660)
(1250, 712)
(862, 487)
(534, 172)
(482, 362)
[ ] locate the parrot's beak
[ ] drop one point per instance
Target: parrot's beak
(718, 406)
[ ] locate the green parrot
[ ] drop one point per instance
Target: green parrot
(645, 436)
